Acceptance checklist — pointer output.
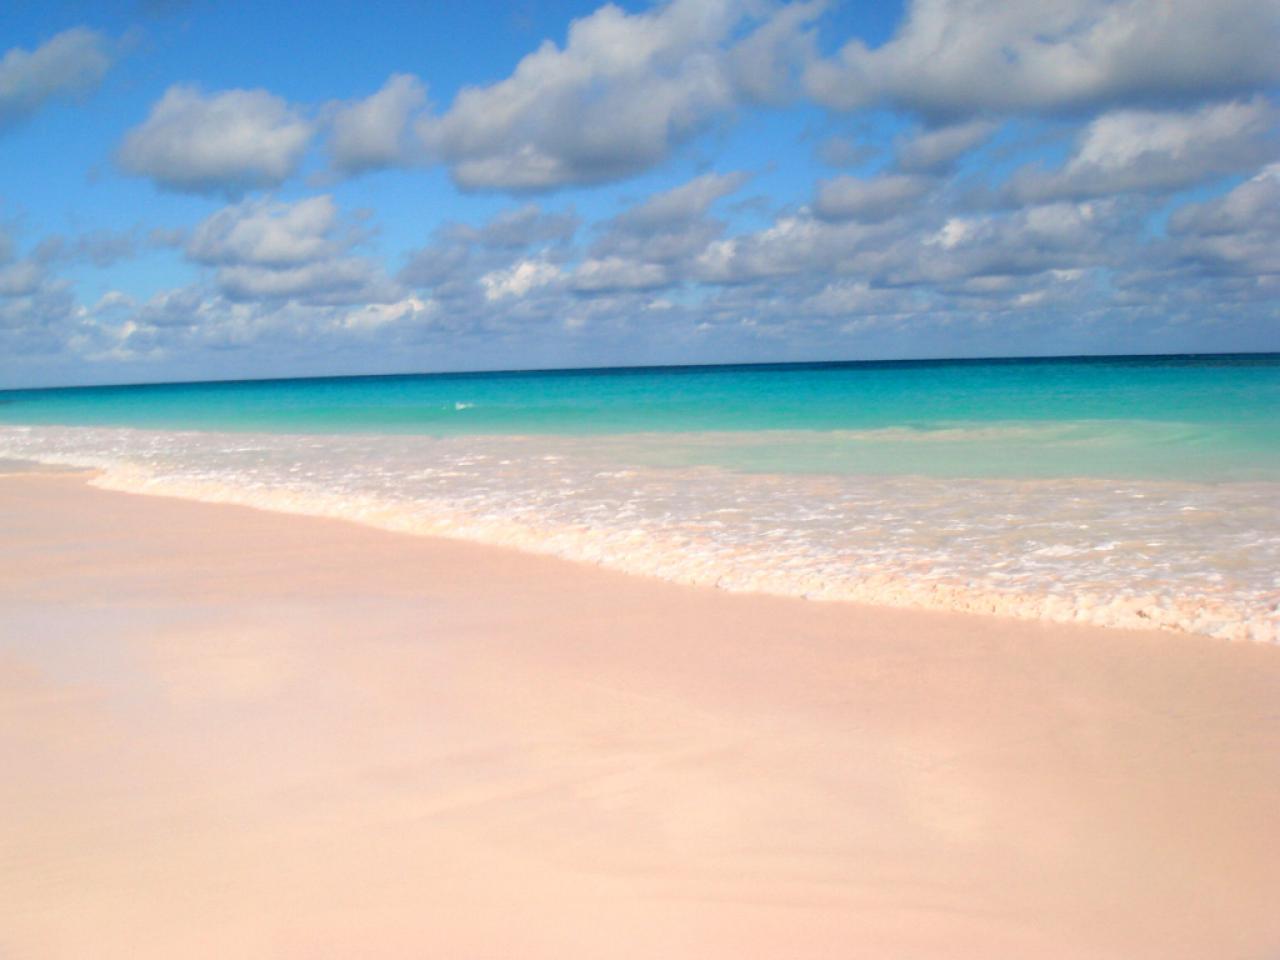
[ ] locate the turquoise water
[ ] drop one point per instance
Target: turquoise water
(1201, 417)
(1133, 492)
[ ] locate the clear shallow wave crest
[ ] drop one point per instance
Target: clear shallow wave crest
(802, 513)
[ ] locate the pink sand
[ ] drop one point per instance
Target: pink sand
(229, 733)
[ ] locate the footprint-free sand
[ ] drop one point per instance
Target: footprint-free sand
(232, 733)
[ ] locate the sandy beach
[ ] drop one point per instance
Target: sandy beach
(232, 733)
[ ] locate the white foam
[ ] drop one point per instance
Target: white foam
(1201, 558)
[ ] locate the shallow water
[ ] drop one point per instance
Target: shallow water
(1204, 418)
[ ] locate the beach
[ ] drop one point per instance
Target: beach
(233, 732)
(1129, 492)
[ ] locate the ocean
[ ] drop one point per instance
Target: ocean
(1118, 491)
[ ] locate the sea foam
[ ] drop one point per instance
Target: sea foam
(1194, 557)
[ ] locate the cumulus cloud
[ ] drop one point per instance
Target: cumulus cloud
(72, 62)
(660, 235)
(374, 133)
(347, 280)
(766, 66)
(1031, 240)
(1253, 205)
(519, 279)
(267, 249)
(935, 150)
(683, 203)
(957, 58)
(266, 232)
(1236, 233)
(1153, 151)
(870, 200)
(524, 226)
(617, 98)
(615, 273)
(225, 142)
(792, 245)
(460, 255)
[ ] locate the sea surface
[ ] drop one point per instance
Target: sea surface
(1120, 491)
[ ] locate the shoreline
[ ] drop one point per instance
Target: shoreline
(1060, 554)
(237, 732)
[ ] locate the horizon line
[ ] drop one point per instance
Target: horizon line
(639, 368)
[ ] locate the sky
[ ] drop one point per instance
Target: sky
(199, 190)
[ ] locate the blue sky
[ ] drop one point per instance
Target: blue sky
(199, 190)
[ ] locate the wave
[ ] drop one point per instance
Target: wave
(1191, 557)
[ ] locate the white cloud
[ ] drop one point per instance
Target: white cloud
(70, 63)
(1253, 205)
(266, 232)
(525, 225)
(519, 279)
(224, 142)
(1152, 151)
(869, 200)
(346, 280)
(792, 245)
(664, 231)
(623, 92)
(373, 133)
(766, 65)
(686, 202)
(933, 151)
(271, 250)
(610, 103)
(614, 273)
(376, 315)
(952, 58)
(1235, 233)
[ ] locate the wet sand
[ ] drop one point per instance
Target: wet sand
(231, 733)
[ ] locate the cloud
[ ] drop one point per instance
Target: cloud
(845, 151)
(614, 273)
(266, 233)
(793, 245)
(460, 256)
(767, 65)
(686, 202)
(525, 226)
(1237, 233)
(20, 279)
(71, 63)
(1153, 151)
(935, 150)
(1032, 240)
(660, 235)
(623, 92)
(345, 280)
(958, 58)
(102, 248)
(519, 279)
(373, 133)
(869, 200)
(225, 142)
(189, 322)
(270, 250)
(1253, 205)
(42, 322)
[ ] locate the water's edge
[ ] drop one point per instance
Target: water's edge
(681, 526)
